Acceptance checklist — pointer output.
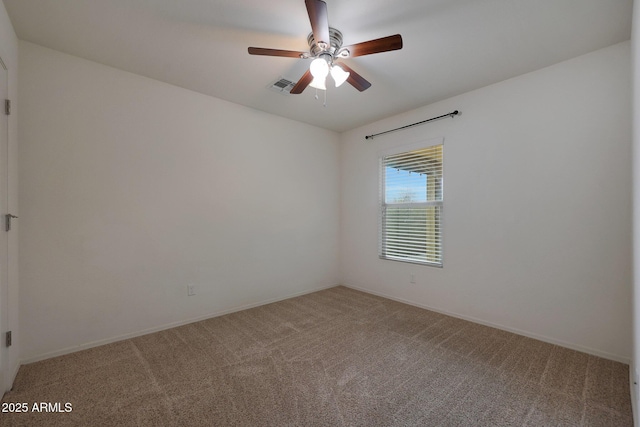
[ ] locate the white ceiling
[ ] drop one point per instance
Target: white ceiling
(450, 46)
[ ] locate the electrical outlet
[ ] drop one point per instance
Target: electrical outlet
(412, 278)
(191, 289)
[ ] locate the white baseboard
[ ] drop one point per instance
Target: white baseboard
(549, 340)
(98, 343)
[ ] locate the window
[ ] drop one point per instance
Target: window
(411, 205)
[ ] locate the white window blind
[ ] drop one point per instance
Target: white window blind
(411, 200)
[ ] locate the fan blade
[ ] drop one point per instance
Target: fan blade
(355, 79)
(385, 44)
(317, 10)
(275, 52)
(302, 83)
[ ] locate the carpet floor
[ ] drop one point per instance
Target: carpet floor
(337, 357)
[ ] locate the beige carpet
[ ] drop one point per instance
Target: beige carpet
(338, 357)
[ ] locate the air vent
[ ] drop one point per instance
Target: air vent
(282, 85)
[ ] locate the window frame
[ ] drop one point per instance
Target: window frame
(382, 205)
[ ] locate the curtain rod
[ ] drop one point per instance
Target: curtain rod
(453, 113)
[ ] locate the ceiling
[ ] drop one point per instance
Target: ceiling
(450, 46)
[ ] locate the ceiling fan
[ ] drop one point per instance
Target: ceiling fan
(325, 46)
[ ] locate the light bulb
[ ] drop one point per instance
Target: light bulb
(339, 75)
(318, 83)
(319, 68)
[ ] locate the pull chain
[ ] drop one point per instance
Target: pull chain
(324, 104)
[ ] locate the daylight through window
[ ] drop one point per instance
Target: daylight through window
(411, 206)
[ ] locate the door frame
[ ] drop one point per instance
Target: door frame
(6, 376)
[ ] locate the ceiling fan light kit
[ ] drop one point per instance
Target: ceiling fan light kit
(339, 75)
(318, 83)
(325, 47)
(319, 67)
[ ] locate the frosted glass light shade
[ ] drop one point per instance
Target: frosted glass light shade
(319, 83)
(319, 68)
(339, 75)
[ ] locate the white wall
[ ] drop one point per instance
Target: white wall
(635, 79)
(131, 189)
(537, 210)
(9, 54)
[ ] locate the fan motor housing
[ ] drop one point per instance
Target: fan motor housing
(335, 38)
